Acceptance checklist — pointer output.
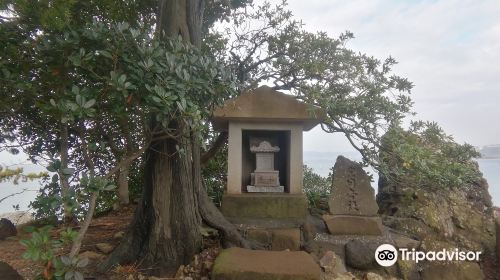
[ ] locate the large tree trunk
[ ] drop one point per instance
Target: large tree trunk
(165, 231)
(123, 194)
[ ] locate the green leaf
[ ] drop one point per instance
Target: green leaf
(156, 99)
(89, 103)
(66, 260)
(75, 90)
(29, 229)
(82, 262)
(69, 275)
(78, 275)
(106, 54)
(79, 100)
(25, 242)
(122, 79)
(68, 171)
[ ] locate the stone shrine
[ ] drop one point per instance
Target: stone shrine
(264, 172)
(264, 178)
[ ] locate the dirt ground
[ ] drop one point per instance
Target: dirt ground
(101, 230)
(107, 229)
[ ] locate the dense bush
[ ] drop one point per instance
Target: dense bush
(424, 155)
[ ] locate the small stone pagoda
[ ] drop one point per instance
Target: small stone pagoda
(264, 176)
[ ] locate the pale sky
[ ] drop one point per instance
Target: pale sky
(450, 50)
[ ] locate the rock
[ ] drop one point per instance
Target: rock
(352, 193)
(244, 264)
(408, 269)
(283, 239)
(372, 276)
(309, 229)
(18, 217)
(180, 272)
(332, 264)
(456, 271)
(319, 248)
(462, 215)
(356, 225)
(343, 276)
(405, 242)
(7, 229)
(497, 227)
(119, 235)
(360, 253)
(105, 248)
(7, 272)
(91, 255)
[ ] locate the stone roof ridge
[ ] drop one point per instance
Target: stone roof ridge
(264, 147)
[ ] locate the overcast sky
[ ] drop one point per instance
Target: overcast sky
(450, 50)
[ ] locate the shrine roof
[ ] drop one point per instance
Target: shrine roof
(265, 104)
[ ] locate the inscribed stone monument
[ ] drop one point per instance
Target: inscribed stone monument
(352, 193)
(352, 202)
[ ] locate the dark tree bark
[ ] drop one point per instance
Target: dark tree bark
(123, 193)
(165, 231)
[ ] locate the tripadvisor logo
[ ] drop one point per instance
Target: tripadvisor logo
(387, 255)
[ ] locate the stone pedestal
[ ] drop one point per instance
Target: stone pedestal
(353, 225)
(265, 209)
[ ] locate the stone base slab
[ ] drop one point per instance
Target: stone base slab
(255, 189)
(353, 225)
(244, 264)
(264, 206)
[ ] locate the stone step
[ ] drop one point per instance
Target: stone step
(276, 239)
(244, 264)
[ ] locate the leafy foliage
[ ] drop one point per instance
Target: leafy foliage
(214, 176)
(315, 187)
(425, 156)
(42, 248)
(15, 175)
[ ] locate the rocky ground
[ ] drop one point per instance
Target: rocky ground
(106, 231)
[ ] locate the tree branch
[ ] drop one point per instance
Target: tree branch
(218, 143)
